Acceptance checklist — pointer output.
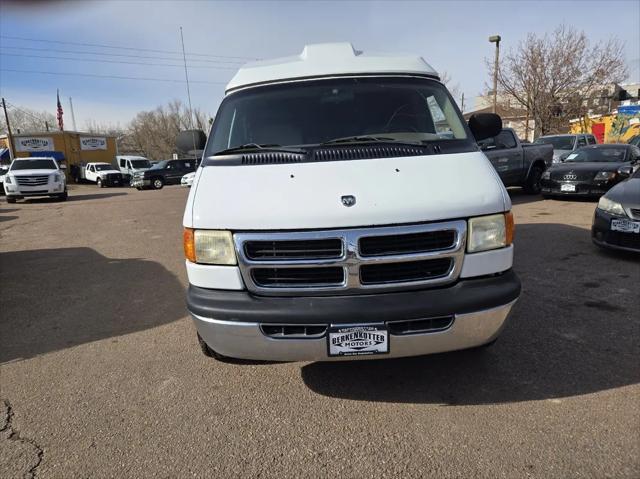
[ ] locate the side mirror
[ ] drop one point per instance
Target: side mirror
(625, 171)
(485, 125)
(191, 140)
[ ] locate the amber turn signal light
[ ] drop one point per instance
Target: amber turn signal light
(509, 227)
(189, 245)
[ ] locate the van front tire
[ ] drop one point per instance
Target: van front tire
(210, 353)
(11, 199)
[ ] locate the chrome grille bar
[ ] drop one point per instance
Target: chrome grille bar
(351, 259)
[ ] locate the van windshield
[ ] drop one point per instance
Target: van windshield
(308, 113)
(140, 164)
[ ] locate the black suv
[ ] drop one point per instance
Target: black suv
(166, 172)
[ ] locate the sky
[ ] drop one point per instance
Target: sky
(220, 36)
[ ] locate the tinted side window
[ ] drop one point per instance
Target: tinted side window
(635, 153)
(581, 141)
(591, 140)
(123, 163)
(505, 139)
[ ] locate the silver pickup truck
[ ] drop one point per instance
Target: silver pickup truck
(517, 164)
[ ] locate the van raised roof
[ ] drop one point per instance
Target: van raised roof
(329, 59)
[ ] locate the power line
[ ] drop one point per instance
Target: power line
(122, 47)
(116, 77)
(146, 57)
(52, 57)
(26, 112)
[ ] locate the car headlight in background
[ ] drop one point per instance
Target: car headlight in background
(604, 176)
(209, 247)
(611, 207)
(490, 232)
(546, 175)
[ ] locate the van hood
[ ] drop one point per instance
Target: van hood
(309, 195)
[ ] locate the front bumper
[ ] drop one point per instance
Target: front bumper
(582, 188)
(602, 235)
(230, 321)
(25, 191)
(140, 182)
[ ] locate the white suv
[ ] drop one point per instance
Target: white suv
(34, 177)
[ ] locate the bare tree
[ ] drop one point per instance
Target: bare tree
(153, 133)
(25, 120)
(550, 76)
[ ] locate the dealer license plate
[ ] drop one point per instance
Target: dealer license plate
(567, 187)
(625, 226)
(358, 340)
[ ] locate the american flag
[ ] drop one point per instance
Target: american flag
(59, 116)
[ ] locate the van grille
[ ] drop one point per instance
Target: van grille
(32, 180)
(403, 272)
(418, 326)
(351, 261)
(297, 277)
(266, 250)
(410, 243)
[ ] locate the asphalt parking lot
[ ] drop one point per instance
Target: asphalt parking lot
(101, 374)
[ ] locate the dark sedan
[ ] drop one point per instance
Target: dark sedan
(590, 171)
(616, 222)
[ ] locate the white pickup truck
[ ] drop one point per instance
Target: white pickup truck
(344, 210)
(34, 176)
(102, 174)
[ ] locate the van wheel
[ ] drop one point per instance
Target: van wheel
(63, 196)
(99, 183)
(157, 183)
(10, 199)
(532, 183)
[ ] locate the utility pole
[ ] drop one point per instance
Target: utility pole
(73, 116)
(495, 39)
(9, 136)
(462, 103)
(46, 125)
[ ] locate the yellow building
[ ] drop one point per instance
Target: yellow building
(68, 147)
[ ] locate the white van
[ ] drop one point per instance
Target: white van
(344, 210)
(130, 165)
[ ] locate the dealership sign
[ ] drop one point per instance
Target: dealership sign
(34, 144)
(93, 143)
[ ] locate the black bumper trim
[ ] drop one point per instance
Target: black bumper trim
(466, 296)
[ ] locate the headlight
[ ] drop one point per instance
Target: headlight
(546, 175)
(490, 232)
(611, 207)
(604, 176)
(56, 178)
(209, 247)
(7, 180)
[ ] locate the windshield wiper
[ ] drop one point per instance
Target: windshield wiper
(368, 139)
(255, 146)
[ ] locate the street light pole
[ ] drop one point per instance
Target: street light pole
(495, 39)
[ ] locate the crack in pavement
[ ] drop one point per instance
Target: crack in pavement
(9, 432)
